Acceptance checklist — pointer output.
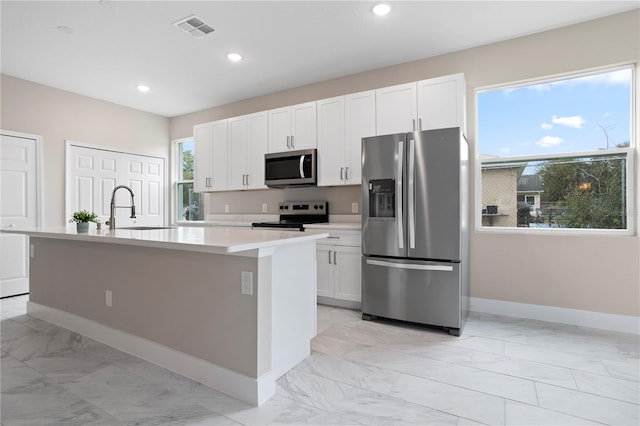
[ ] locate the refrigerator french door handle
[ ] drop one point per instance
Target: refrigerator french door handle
(445, 268)
(399, 195)
(302, 167)
(412, 194)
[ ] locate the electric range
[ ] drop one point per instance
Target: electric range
(295, 214)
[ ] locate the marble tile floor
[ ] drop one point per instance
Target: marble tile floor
(502, 371)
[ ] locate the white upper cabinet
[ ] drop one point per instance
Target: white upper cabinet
(428, 104)
(210, 169)
(396, 109)
(342, 123)
(247, 146)
(292, 128)
(441, 102)
(360, 122)
(202, 177)
(331, 141)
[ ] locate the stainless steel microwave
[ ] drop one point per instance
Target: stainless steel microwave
(290, 168)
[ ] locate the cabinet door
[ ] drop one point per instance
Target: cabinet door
(304, 124)
(237, 152)
(360, 122)
(331, 141)
(324, 261)
(219, 165)
(202, 179)
(396, 109)
(441, 102)
(347, 274)
(257, 140)
(280, 129)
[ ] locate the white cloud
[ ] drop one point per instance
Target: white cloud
(542, 87)
(575, 121)
(549, 141)
(546, 126)
(505, 150)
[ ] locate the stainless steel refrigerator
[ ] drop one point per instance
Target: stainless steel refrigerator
(415, 241)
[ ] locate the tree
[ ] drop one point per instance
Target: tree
(187, 165)
(591, 190)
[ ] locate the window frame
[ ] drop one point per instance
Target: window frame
(629, 152)
(175, 172)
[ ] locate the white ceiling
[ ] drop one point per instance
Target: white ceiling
(117, 44)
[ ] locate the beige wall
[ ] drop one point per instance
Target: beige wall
(181, 299)
(57, 116)
(592, 273)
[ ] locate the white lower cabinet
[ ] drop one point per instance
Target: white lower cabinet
(338, 264)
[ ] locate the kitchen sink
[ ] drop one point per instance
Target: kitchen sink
(145, 228)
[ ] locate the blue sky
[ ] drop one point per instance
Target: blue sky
(562, 116)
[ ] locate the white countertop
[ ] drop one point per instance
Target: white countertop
(215, 239)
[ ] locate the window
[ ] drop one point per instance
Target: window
(188, 203)
(558, 153)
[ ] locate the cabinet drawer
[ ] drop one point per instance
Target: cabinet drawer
(342, 238)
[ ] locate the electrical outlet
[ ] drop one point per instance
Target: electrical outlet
(246, 282)
(264, 208)
(354, 207)
(226, 208)
(109, 298)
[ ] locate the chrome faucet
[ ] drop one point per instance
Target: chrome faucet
(112, 217)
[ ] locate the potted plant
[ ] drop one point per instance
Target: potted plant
(82, 219)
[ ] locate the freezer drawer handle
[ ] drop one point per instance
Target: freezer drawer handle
(410, 266)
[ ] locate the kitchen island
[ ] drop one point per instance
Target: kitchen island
(231, 308)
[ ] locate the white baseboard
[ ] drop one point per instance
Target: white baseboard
(612, 322)
(247, 389)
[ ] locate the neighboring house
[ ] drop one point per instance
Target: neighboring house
(530, 190)
(499, 188)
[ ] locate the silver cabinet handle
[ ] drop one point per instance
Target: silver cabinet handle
(413, 121)
(341, 169)
(335, 258)
(247, 179)
(410, 266)
(207, 182)
(329, 257)
(346, 173)
(411, 194)
(419, 123)
(302, 166)
(288, 141)
(399, 195)
(244, 179)
(293, 145)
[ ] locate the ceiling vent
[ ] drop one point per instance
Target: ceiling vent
(194, 26)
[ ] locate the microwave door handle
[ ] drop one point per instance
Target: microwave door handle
(399, 195)
(302, 166)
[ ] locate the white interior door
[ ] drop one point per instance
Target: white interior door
(18, 209)
(93, 173)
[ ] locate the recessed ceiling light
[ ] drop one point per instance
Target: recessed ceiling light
(234, 57)
(143, 88)
(381, 9)
(66, 30)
